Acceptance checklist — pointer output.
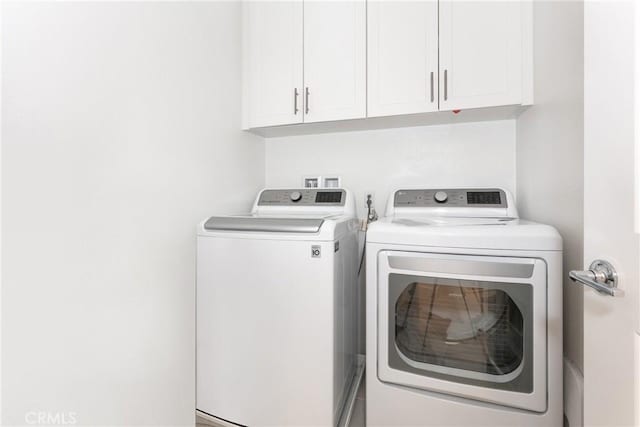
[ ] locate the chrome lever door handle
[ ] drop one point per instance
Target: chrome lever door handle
(600, 276)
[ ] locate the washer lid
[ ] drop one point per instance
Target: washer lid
(288, 224)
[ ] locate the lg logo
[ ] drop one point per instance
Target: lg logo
(44, 418)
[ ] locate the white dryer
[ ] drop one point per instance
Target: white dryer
(276, 309)
(464, 313)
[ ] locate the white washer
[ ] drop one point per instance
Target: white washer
(464, 313)
(276, 309)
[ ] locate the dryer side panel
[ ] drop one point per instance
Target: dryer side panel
(345, 318)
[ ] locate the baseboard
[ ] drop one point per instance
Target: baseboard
(203, 418)
(573, 394)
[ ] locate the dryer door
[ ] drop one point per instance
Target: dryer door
(471, 326)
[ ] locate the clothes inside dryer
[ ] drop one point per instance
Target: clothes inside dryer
(465, 327)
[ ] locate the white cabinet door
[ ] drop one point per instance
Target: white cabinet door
(273, 62)
(403, 57)
(334, 60)
(481, 53)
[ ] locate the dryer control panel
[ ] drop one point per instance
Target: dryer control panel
(457, 197)
(303, 197)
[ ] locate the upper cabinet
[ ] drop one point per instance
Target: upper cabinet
(304, 61)
(273, 63)
(312, 61)
(335, 60)
(403, 57)
(481, 53)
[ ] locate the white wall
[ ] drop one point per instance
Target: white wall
(550, 147)
(120, 132)
(469, 154)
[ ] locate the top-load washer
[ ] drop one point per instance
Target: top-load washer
(464, 313)
(276, 309)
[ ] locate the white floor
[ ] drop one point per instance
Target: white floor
(357, 418)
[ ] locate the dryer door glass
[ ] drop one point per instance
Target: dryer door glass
(472, 331)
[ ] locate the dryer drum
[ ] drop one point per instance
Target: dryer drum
(469, 328)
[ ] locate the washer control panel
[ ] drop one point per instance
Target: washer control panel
(458, 197)
(302, 197)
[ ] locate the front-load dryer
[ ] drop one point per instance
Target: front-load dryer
(464, 313)
(276, 309)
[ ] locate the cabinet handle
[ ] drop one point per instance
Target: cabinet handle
(432, 96)
(446, 85)
(295, 100)
(306, 100)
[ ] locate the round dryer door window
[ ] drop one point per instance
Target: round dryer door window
(469, 328)
(475, 332)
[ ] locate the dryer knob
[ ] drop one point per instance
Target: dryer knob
(295, 196)
(441, 197)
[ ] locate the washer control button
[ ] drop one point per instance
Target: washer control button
(295, 196)
(440, 197)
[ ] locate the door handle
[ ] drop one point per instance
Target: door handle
(601, 276)
(295, 101)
